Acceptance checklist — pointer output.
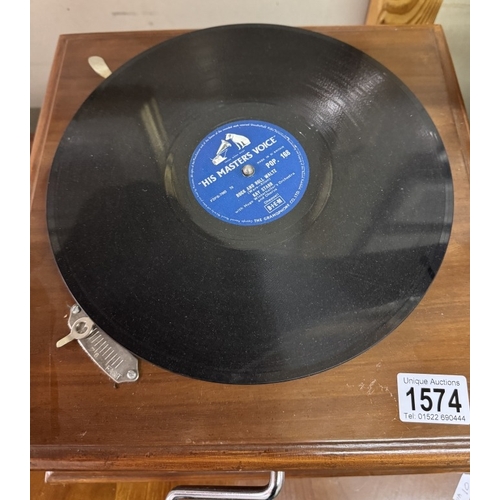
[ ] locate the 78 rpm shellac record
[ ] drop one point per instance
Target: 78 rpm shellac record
(250, 204)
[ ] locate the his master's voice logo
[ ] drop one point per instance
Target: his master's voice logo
(240, 140)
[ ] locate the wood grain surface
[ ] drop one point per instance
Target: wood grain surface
(396, 12)
(338, 423)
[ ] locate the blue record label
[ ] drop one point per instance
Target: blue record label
(248, 172)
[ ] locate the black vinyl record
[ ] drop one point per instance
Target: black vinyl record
(250, 204)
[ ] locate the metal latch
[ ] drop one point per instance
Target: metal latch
(113, 359)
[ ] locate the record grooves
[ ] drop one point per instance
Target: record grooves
(250, 204)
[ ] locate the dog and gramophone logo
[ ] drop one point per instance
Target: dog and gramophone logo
(239, 140)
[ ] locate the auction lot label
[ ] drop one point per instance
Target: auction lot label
(433, 399)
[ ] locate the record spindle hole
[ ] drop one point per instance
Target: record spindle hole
(248, 170)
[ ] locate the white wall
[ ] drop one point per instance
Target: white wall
(50, 18)
(454, 17)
